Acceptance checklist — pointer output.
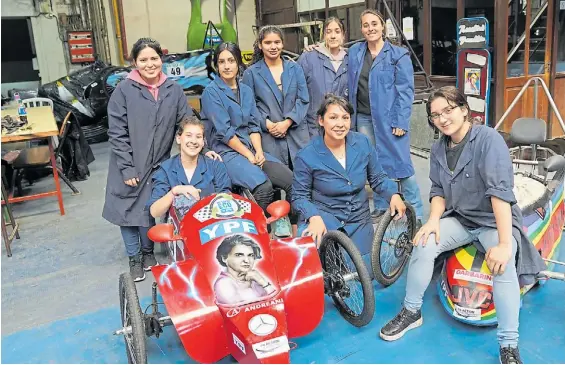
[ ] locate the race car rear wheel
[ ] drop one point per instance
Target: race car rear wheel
(132, 321)
(392, 246)
(346, 278)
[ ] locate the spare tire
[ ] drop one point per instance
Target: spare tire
(95, 133)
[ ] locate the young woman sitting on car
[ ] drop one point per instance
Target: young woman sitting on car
(189, 173)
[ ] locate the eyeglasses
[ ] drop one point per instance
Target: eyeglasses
(447, 111)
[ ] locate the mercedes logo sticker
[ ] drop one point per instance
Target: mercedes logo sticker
(262, 324)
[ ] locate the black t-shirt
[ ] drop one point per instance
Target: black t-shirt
(363, 102)
(452, 154)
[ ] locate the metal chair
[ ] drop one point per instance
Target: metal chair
(40, 157)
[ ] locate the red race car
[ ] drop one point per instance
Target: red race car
(232, 289)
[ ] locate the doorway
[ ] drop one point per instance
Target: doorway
(530, 29)
(19, 62)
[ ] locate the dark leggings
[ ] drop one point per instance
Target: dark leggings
(279, 176)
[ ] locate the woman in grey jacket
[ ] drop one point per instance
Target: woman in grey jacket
(143, 113)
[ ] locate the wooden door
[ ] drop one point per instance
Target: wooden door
(282, 12)
(528, 54)
(559, 98)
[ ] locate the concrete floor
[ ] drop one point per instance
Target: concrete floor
(62, 266)
(60, 299)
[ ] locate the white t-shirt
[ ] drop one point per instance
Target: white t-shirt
(189, 174)
(342, 162)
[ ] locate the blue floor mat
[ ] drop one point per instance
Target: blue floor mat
(88, 338)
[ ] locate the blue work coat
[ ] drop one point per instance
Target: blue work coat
(483, 170)
(391, 93)
(141, 131)
(321, 186)
(321, 79)
(225, 118)
(291, 103)
(210, 177)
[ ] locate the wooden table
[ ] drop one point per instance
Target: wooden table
(41, 125)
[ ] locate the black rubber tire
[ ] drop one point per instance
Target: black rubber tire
(95, 133)
(129, 304)
(368, 311)
(378, 273)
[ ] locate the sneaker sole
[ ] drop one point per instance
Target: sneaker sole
(500, 360)
(416, 324)
(149, 268)
(139, 279)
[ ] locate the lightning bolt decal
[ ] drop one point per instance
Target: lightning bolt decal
(302, 252)
(192, 292)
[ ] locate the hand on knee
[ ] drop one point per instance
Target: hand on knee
(427, 251)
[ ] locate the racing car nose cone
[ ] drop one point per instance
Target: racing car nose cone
(262, 324)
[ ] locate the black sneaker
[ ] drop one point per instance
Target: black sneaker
(148, 260)
(136, 268)
(399, 325)
(510, 355)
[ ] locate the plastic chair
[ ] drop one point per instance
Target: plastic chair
(40, 157)
(36, 102)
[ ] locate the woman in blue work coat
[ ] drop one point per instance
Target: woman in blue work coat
(234, 131)
(142, 114)
(325, 68)
(188, 173)
(381, 89)
(329, 180)
(472, 199)
(281, 95)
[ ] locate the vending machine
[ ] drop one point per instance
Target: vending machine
(474, 66)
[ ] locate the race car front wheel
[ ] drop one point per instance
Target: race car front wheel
(392, 245)
(132, 321)
(346, 278)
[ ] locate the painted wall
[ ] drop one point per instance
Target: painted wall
(167, 20)
(48, 46)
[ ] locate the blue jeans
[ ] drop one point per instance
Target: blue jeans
(136, 240)
(506, 290)
(409, 185)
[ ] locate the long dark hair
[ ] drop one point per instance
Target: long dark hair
(267, 29)
(234, 50)
(143, 43)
